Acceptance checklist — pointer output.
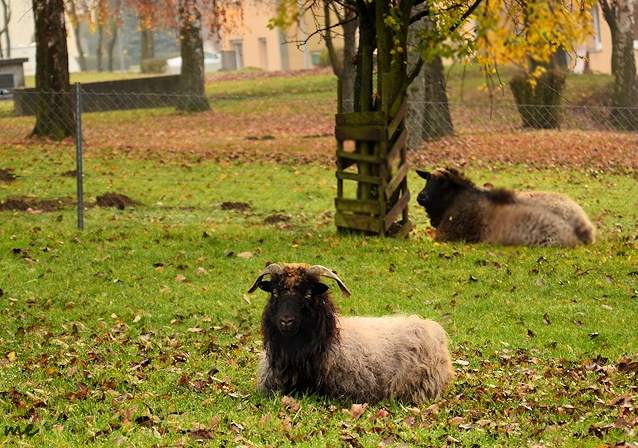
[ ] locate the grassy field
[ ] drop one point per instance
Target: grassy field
(138, 330)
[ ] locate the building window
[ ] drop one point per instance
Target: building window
(238, 48)
(263, 53)
(595, 14)
(315, 58)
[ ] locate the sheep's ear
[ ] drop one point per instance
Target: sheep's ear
(265, 286)
(423, 174)
(319, 288)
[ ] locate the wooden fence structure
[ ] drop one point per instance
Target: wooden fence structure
(372, 168)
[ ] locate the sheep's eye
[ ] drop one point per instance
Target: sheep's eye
(275, 294)
(308, 295)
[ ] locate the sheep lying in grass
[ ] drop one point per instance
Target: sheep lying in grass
(564, 207)
(310, 347)
(461, 211)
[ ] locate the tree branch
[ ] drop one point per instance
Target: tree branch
(419, 65)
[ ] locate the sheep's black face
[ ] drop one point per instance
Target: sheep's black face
(293, 312)
(437, 195)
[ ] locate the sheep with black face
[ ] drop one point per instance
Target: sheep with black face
(461, 211)
(310, 347)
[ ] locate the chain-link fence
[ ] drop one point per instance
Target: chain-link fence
(118, 129)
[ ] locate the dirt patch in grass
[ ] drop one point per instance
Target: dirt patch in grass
(6, 175)
(35, 205)
(238, 206)
(117, 200)
(277, 218)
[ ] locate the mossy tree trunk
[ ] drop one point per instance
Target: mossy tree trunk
(538, 99)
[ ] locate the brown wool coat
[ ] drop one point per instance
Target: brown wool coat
(465, 212)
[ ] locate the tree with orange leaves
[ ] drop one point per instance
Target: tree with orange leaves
(216, 16)
(190, 17)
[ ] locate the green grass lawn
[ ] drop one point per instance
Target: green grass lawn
(139, 331)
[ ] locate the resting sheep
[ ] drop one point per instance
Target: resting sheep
(310, 347)
(461, 211)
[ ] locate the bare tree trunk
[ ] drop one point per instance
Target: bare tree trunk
(147, 48)
(192, 77)
(78, 46)
(619, 16)
(75, 20)
(343, 67)
(6, 16)
(99, 48)
(437, 120)
(111, 44)
(54, 105)
(429, 111)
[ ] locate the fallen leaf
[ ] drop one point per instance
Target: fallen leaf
(290, 404)
(357, 410)
(202, 434)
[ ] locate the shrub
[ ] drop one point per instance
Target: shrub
(324, 57)
(153, 66)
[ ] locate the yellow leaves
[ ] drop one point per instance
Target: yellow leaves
(12, 356)
(511, 31)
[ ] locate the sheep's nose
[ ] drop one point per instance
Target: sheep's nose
(287, 322)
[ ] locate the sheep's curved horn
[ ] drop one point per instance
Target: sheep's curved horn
(270, 269)
(323, 271)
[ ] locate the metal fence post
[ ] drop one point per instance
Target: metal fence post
(78, 154)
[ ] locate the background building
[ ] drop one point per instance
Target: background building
(250, 44)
